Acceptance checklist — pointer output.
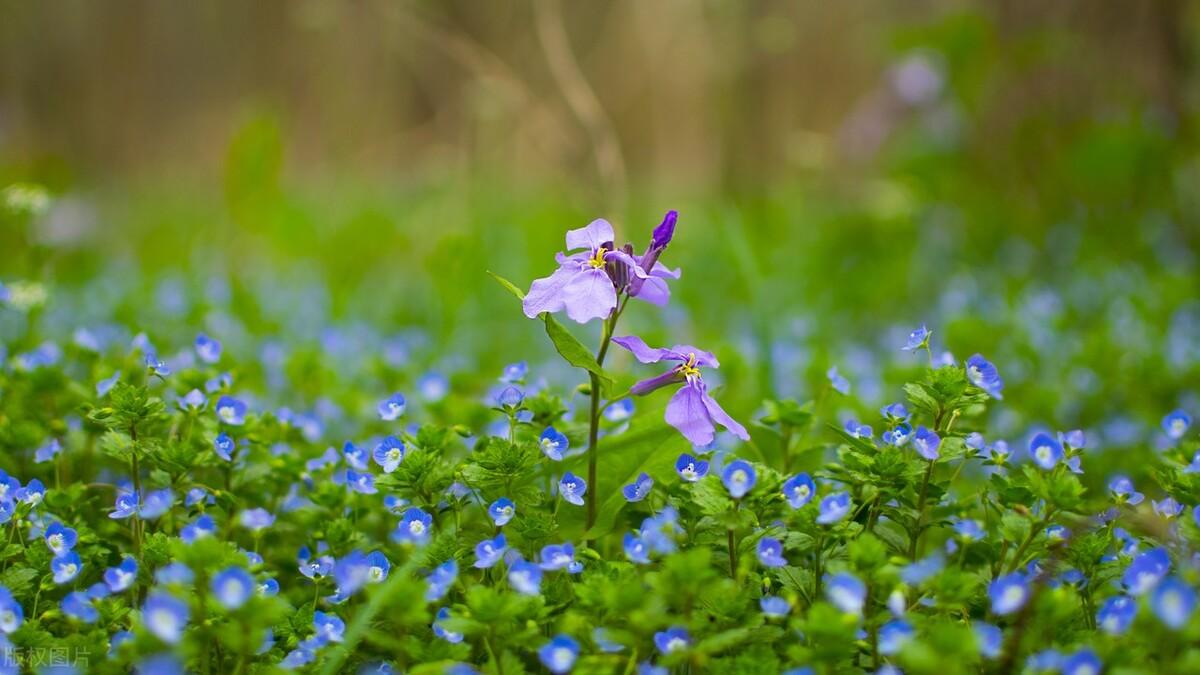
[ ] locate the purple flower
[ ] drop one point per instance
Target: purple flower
(653, 287)
(581, 285)
(692, 411)
(638, 489)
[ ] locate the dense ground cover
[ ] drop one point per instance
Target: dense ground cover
(228, 474)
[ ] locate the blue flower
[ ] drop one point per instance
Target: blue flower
(896, 412)
(1045, 450)
(619, 411)
(839, 383)
(231, 411)
(256, 519)
(739, 478)
(1122, 490)
(834, 508)
(414, 527)
(774, 606)
(525, 578)
(329, 627)
(1173, 602)
(799, 490)
(165, 616)
(121, 577)
(193, 401)
(1057, 534)
(1008, 593)
(982, 374)
(208, 349)
(846, 592)
(557, 557)
(224, 446)
(362, 483)
(489, 551)
(78, 605)
(65, 567)
(440, 631)
(47, 452)
(433, 386)
(440, 580)
(268, 588)
(60, 538)
(155, 365)
(392, 407)
(378, 567)
(1074, 439)
(510, 398)
(672, 640)
(899, 435)
(989, 638)
(918, 339)
(893, 635)
(203, 526)
(1176, 424)
(1146, 571)
(389, 453)
(174, 573)
(553, 444)
(515, 372)
(559, 654)
(1167, 507)
(968, 529)
(232, 587)
(926, 442)
(314, 568)
(604, 642)
(691, 469)
(1082, 662)
(637, 490)
(11, 613)
(1116, 615)
(501, 511)
(857, 430)
(572, 488)
(770, 552)
(635, 549)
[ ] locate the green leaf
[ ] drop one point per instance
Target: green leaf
(512, 288)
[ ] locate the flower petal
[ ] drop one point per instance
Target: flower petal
(718, 413)
(644, 353)
(653, 291)
(597, 233)
(703, 359)
(646, 386)
(688, 413)
(629, 261)
(589, 295)
(547, 294)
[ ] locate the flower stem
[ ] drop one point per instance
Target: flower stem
(915, 540)
(606, 336)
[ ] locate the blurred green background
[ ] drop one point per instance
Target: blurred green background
(1020, 175)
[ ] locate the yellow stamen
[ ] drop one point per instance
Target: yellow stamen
(597, 260)
(689, 369)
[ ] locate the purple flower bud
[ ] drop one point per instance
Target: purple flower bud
(663, 233)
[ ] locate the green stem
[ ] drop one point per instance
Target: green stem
(733, 561)
(915, 540)
(606, 336)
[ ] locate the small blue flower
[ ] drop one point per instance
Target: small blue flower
(355, 456)
(1074, 439)
(690, 469)
(739, 478)
(433, 386)
(1146, 571)
(968, 529)
(1082, 662)
(11, 614)
(635, 549)
(165, 616)
(414, 527)
(774, 606)
(836, 380)
(1173, 602)
(440, 631)
(47, 452)
(362, 483)
(637, 490)
(121, 577)
(899, 435)
(846, 592)
(79, 606)
(604, 642)
(672, 640)
(553, 444)
(1057, 534)
(224, 446)
(329, 626)
(174, 573)
(926, 442)
(489, 551)
(231, 411)
(1045, 450)
(440, 580)
(895, 412)
(193, 401)
(232, 587)
(510, 398)
(619, 411)
(257, 519)
(770, 552)
(1008, 593)
(1116, 615)
(1176, 424)
(857, 430)
(1167, 507)
(557, 557)
(989, 638)
(893, 635)
(572, 488)
(918, 339)
(833, 508)
(525, 578)
(60, 538)
(1122, 490)
(389, 453)
(155, 365)
(501, 511)
(392, 407)
(515, 372)
(799, 490)
(982, 374)
(208, 349)
(559, 654)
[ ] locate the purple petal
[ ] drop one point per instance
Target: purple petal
(589, 295)
(547, 294)
(688, 413)
(653, 291)
(703, 359)
(629, 261)
(646, 386)
(644, 353)
(597, 233)
(665, 272)
(720, 416)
